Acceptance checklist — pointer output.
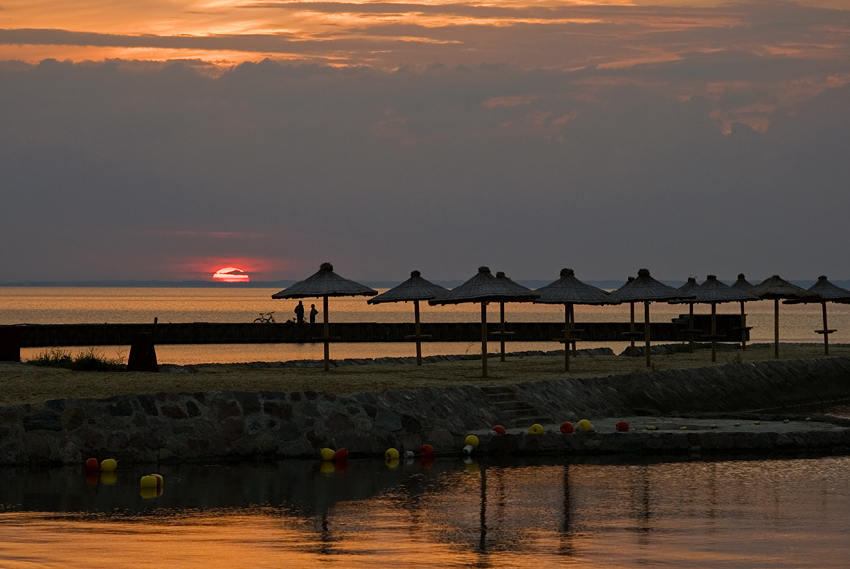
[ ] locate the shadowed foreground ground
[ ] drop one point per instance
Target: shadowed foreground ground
(23, 383)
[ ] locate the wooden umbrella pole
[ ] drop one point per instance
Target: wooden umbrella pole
(502, 328)
(632, 326)
(825, 330)
(327, 333)
(646, 330)
(743, 327)
(691, 324)
(713, 332)
(483, 339)
(416, 329)
(573, 327)
(776, 327)
(566, 337)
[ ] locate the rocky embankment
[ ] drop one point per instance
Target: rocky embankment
(238, 425)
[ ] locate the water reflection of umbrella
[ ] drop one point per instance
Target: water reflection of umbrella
(502, 334)
(483, 288)
(777, 288)
(646, 289)
(743, 284)
(713, 292)
(413, 289)
(829, 293)
(569, 291)
(325, 283)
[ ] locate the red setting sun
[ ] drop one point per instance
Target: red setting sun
(231, 275)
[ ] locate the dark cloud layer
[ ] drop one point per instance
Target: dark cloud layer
(137, 170)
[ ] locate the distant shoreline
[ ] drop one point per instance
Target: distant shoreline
(532, 283)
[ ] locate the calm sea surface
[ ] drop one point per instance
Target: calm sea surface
(68, 305)
(718, 514)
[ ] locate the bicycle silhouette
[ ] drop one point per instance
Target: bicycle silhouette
(265, 318)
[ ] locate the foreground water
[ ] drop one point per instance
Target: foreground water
(732, 514)
(69, 305)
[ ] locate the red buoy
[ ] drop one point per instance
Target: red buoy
(92, 465)
(622, 426)
(499, 429)
(341, 455)
(426, 450)
(567, 427)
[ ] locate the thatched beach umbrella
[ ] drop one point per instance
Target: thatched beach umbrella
(502, 334)
(829, 293)
(569, 291)
(776, 288)
(483, 288)
(689, 288)
(743, 284)
(646, 289)
(713, 292)
(324, 284)
(413, 289)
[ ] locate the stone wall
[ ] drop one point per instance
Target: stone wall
(233, 425)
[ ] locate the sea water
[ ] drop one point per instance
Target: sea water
(84, 305)
(736, 514)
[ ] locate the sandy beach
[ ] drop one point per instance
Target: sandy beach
(24, 383)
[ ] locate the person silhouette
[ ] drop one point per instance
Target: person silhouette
(299, 313)
(313, 313)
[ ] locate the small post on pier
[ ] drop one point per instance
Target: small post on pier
(10, 344)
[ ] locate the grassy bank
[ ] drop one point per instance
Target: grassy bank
(27, 383)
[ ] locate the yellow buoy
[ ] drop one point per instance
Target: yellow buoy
(585, 425)
(536, 429)
(108, 465)
(683, 428)
(148, 481)
(391, 454)
(327, 454)
(651, 427)
(159, 479)
(472, 441)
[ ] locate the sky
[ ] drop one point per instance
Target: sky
(166, 139)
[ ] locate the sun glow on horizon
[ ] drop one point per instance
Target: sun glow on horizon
(231, 275)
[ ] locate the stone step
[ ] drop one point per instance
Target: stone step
(502, 397)
(496, 389)
(513, 405)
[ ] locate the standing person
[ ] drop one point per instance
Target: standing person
(313, 313)
(299, 313)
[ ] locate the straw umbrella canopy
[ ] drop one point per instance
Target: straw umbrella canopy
(714, 292)
(325, 283)
(413, 289)
(484, 288)
(829, 293)
(776, 288)
(646, 289)
(743, 284)
(569, 291)
(502, 334)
